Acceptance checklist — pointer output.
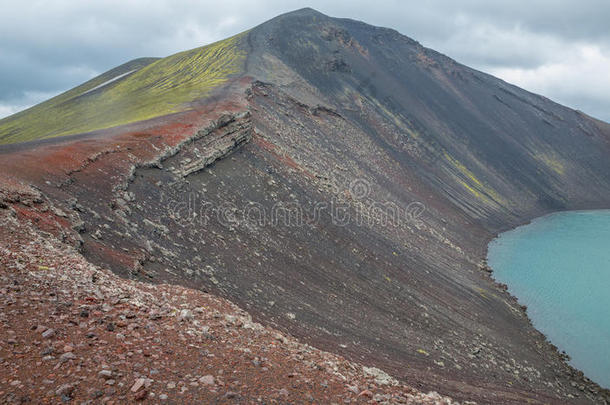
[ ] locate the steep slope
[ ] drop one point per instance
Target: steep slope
(90, 363)
(138, 90)
(343, 188)
(471, 136)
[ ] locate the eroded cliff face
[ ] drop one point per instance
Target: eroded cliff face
(344, 190)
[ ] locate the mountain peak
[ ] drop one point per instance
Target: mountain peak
(377, 170)
(303, 14)
(305, 11)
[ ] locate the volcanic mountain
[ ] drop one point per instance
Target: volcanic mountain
(337, 180)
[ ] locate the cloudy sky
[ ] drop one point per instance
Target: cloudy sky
(557, 48)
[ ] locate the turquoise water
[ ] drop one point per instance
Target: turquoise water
(559, 266)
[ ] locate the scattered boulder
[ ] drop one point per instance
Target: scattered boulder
(185, 315)
(48, 334)
(139, 383)
(381, 377)
(207, 380)
(65, 390)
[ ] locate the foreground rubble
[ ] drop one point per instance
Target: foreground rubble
(73, 332)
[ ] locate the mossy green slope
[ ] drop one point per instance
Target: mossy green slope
(149, 88)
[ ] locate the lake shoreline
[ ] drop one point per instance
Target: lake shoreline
(582, 381)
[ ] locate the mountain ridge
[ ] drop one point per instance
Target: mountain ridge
(137, 96)
(339, 112)
(6, 130)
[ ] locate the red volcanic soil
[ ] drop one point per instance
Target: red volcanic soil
(72, 331)
(283, 158)
(413, 297)
(52, 160)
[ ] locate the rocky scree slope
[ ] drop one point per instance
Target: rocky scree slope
(74, 332)
(246, 194)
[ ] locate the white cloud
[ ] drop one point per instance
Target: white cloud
(580, 80)
(30, 99)
(485, 44)
(51, 46)
(6, 110)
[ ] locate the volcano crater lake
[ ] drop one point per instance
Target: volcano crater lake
(559, 266)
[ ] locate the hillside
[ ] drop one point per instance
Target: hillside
(107, 339)
(138, 90)
(338, 181)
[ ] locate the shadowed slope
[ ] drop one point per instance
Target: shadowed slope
(493, 149)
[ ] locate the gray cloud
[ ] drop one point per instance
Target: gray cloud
(558, 48)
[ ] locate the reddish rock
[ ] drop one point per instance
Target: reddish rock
(141, 395)
(366, 394)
